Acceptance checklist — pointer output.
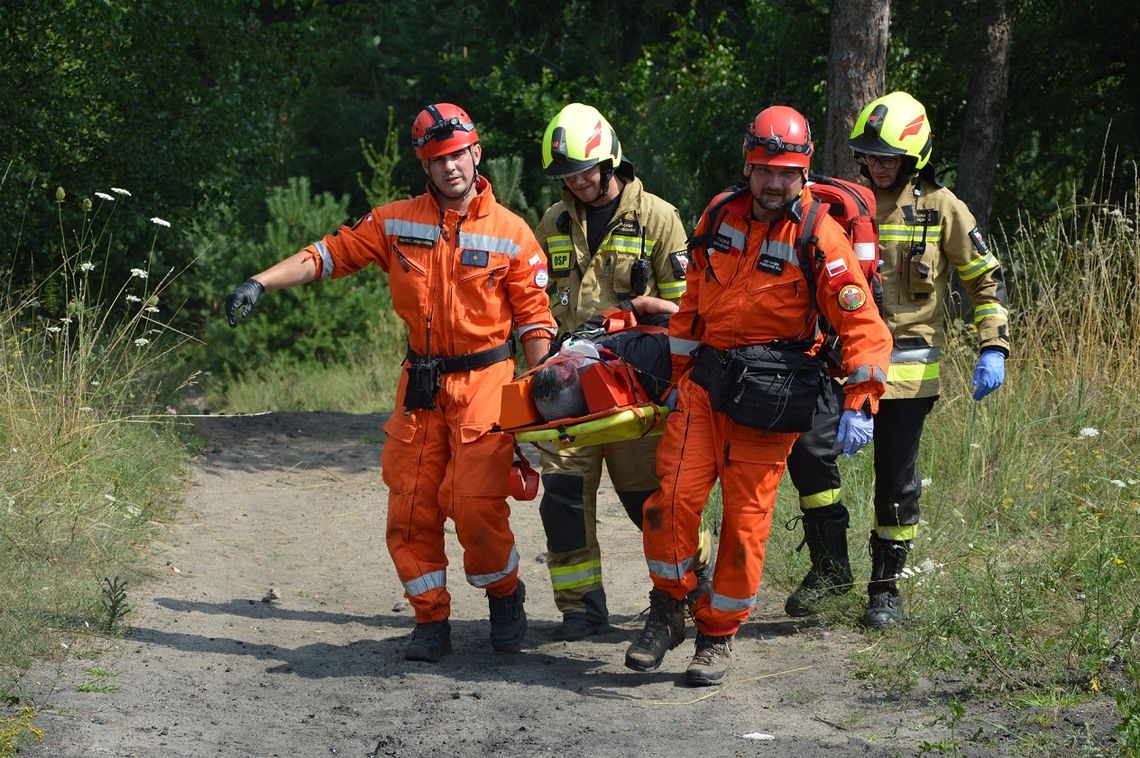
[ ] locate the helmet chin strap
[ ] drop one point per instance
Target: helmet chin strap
(607, 174)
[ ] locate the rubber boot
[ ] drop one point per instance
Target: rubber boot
(508, 620)
(579, 625)
(885, 607)
(825, 534)
(430, 642)
(711, 662)
(664, 630)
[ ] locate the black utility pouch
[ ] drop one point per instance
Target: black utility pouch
(423, 381)
(765, 387)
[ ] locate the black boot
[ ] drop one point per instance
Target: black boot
(664, 630)
(579, 625)
(430, 642)
(825, 533)
(508, 620)
(885, 607)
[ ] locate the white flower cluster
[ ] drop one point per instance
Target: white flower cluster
(1089, 431)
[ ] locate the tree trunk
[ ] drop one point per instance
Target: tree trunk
(985, 113)
(856, 75)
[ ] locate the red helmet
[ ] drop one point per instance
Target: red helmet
(779, 136)
(441, 129)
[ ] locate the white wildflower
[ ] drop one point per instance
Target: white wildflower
(975, 445)
(139, 273)
(120, 191)
(133, 510)
(95, 382)
(86, 409)
(65, 320)
(150, 309)
(153, 331)
(134, 299)
(1088, 431)
(141, 341)
(104, 196)
(88, 266)
(927, 482)
(160, 221)
(1116, 483)
(55, 329)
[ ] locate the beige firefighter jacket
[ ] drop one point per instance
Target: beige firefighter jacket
(923, 240)
(580, 287)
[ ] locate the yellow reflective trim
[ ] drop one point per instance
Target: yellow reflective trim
(821, 499)
(576, 575)
(623, 245)
(913, 372)
(897, 533)
(670, 290)
(990, 310)
(976, 268)
(906, 233)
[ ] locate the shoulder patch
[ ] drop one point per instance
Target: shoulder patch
(852, 297)
(979, 241)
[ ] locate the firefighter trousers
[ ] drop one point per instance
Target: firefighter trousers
(898, 430)
(438, 469)
(701, 446)
(812, 463)
(570, 481)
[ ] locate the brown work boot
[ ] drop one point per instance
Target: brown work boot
(664, 630)
(711, 661)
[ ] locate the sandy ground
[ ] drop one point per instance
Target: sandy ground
(293, 502)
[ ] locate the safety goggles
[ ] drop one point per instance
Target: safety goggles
(442, 130)
(887, 162)
(776, 145)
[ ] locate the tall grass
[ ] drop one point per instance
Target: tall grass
(88, 464)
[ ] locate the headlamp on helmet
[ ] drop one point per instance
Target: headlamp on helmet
(779, 136)
(441, 129)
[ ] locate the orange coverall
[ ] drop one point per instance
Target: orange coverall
(747, 289)
(462, 282)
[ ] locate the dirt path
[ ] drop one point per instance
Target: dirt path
(294, 502)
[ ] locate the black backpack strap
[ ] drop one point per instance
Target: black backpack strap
(715, 215)
(807, 244)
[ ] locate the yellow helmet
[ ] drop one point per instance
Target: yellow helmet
(578, 138)
(893, 124)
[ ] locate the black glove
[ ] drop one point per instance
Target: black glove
(243, 299)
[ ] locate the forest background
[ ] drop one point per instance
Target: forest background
(154, 155)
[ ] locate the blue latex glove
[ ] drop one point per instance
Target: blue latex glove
(855, 430)
(671, 399)
(989, 374)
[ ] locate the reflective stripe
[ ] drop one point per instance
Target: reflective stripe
(990, 310)
(976, 268)
(503, 245)
(907, 233)
(726, 603)
(326, 260)
(672, 290)
(780, 250)
(430, 581)
(821, 499)
(524, 329)
(404, 228)
(865, 251)
(735, 236)
(578, 575)
(913, 372)
(678, 346)
(916, 355)
(897, 533)
(866, 374)
(670, 571)
(624, 245)
(483, 580)
(561, 252)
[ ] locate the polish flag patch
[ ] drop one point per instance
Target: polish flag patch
(837, 267)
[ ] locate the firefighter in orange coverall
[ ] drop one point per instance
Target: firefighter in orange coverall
(745, 346)
(463, 272)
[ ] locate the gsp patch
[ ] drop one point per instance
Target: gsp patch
(852, 297)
